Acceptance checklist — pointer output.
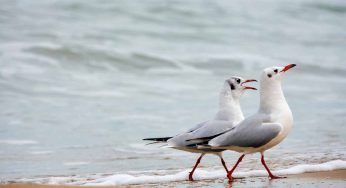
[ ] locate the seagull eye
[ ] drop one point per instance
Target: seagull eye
(269, 75)
(238, 80)
(276, 70)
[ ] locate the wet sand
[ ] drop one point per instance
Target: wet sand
(335, 178)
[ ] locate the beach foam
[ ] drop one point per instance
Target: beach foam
(161, 176)
(127, 179)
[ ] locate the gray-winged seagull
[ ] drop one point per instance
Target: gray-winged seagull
(229, 114)
(265, 129)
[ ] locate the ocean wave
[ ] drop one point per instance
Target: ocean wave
(132, 179)
(338, 7)
(95, 57)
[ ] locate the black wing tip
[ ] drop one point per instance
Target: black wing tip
(205, 138)
(161, 139)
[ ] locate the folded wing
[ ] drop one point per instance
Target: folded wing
(209, 129)
(252, 132)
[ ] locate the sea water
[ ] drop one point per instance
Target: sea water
(82, 82)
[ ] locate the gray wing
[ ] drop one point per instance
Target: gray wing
(209, 128)
(212, 128)
(250, 133)
(197, 126)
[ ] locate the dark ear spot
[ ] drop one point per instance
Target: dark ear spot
(269, 75)
(232, 86)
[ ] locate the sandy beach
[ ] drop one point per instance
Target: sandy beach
(336, 178)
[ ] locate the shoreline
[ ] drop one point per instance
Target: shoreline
(335, 178)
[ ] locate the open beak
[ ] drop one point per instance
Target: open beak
(248, 87)
(287, 67)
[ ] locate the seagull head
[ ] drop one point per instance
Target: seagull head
(236, 85)
(275, 74)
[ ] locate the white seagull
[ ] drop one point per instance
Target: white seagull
(229, 114)
(265, 129)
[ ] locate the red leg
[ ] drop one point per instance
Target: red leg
(266, 167)
(229, 174)
(194, 168)
(224, 164)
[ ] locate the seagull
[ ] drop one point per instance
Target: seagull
(265, 129)
(228, 115)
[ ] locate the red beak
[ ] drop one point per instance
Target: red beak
(247, 87)
(246, 81)
(287, 67)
